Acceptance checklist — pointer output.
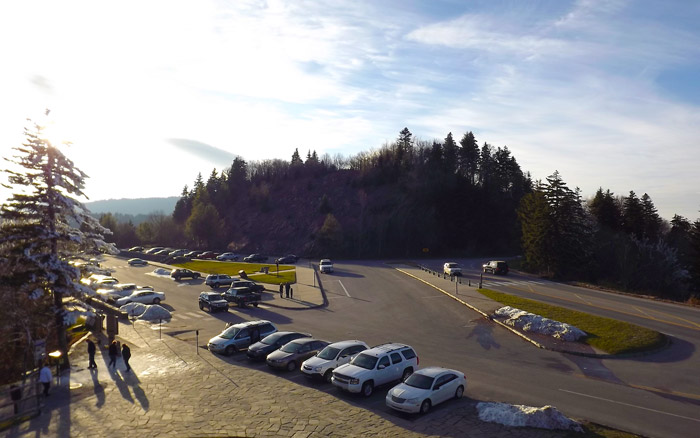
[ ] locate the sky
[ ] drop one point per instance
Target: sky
(151, 93)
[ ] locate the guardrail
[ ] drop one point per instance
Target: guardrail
(454, 278)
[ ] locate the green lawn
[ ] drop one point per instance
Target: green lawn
(608, 335)
(287, 273)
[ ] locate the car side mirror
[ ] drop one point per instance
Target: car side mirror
(381, 367)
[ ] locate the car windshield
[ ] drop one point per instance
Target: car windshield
(418, 380)
(272, 339)
(365, 361)
(230, 332)
(329, 353)
(291, 347)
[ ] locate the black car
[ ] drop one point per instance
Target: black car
(250, 286)
(180, 273)
(496, 267)
(293, 353)
(255, 258)
(288, 259)
(268, 344)
(212, 301)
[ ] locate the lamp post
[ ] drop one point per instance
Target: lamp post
(56, 356)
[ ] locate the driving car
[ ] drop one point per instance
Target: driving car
(288, 259)
(212, 301)
(137, 262)
(142, 296)
(496, 267)
(334, 355)
(227, 257)
(325, 266)
(267, 345)
(293, 353)
(426, 388)
(239, 336)
(180, 273)
(451, 268)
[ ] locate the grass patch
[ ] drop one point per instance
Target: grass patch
(608, 335)
(287, 273)
(592, 430)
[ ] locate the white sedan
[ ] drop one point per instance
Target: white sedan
(142, 296)
(426, 388)
(137, 262)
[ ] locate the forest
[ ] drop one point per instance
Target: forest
(413, 198)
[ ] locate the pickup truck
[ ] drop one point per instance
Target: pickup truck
(242, 296)
(250, 286)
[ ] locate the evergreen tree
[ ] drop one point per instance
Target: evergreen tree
(695, 256)
(486, 166)
(534, 216)
(44, 225)
(652, 221)
(296, 159)
(183, 207)
(469, 157)
(633, 216)
(605, 210)
(449, 153)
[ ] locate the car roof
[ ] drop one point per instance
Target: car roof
(306, 340)
(435, 371)
(385, 348)
(251, 323)
(325, 261)
(345, 344)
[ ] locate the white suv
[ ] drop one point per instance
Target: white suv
(451, 269)
(330, 358)
(326, 266)
(217, 280)
(374, 367)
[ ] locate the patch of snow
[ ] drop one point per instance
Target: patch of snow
(530, 322)
(155, 312)
(547, 417)
(161, 272)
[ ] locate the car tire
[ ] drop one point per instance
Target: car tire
(367, 389)
(327, 377)
(425, 406)
(255, 304)
(230, 350)
(156, 300)
(201, 306)
(406, 374)
(459, 392)
(291, 366)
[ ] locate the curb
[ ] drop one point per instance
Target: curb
(532, 341)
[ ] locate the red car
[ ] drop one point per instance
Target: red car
(208, 255)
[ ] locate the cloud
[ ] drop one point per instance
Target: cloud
(203, 150)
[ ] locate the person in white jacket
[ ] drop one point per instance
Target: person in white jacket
(45, 378)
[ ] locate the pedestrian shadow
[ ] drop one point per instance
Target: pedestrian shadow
(121, 385)
(483, 331)
(132, 380)
(98, 388)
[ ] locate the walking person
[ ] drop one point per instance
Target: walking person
(126, 355)
(281, 288)
(91, 353)
(45, 377)
(291, 291)
(287, 287)
(113, 351)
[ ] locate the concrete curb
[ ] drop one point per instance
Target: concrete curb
(532, 341)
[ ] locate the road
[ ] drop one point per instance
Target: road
(655, 395)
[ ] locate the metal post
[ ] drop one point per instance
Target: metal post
(196, 337)
(160, 328)
(481, 280)
(456, 290)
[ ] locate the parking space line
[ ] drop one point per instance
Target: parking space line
(346, 291)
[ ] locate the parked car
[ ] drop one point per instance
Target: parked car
(330, 358)
(153, 250)
(136, 249)
(177, 253)
(451, 269)
(192, 254)
(267, 345)
(227, 257)
(242, 297)
(239, 336)
(216, 280)
(208, 255)
(293, 353)
(162, 252)
(104, 283)
(180, 273)
(288, 259)
(249, 285)
(426, 388)
(212, 301)
(110, 295)
(374, 367)
(325, 266)
(496, 267)
(137, 262)
(255, 258)
(142, 296)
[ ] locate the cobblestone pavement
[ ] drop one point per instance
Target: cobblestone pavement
(173, 391)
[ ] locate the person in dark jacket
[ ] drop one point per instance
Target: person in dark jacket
(126, 355)
(91, 353)
(113, 351)
(281, 288)
(287, 287)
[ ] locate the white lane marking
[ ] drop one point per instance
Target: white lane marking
(346, 291)
(630, 405)
(580, 298)
(181, 315)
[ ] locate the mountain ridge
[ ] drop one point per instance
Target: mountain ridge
(133, 206)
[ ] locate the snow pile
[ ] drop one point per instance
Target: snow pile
(547, 417)
(133, 309)
(161, 271)
(530, 322)
(155, 313)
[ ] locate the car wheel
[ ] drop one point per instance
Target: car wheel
(459, 392)
(230, 350)
(291, 366)
(255, 304)
(327, 377)
(156, 300)
(425, 407)
(201, 306)
(406, 373)
(367, 389)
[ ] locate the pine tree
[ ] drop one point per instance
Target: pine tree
(605, 210)
(534, 216)
(469, 157)
(633, 215)
(183, 207)
(652, 221)
(695, 255)
(44, 225)
(449, 154)
(296, 158)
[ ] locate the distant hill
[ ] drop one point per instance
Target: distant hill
(143, 206)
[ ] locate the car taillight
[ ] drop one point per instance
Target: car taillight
(417, 360)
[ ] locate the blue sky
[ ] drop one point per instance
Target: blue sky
(151, 93)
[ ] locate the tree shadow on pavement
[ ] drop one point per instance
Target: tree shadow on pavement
(483, 331)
